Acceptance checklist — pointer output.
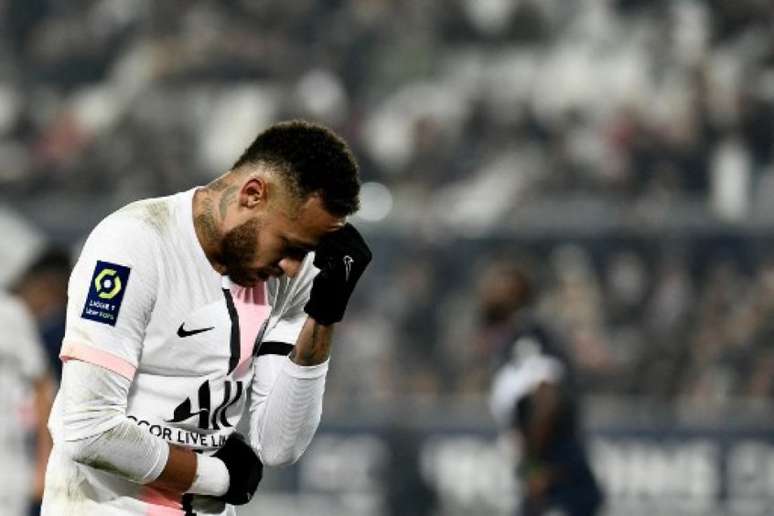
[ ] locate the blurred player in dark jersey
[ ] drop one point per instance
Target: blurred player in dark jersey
(43, 288)
(534, 394)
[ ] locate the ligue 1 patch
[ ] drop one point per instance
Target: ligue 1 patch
(106, 292)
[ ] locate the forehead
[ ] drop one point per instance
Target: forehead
(311, 221)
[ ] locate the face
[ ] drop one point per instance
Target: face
(273, 243)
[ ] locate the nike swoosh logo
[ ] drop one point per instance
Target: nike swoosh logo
(182, 332)
(348, 261)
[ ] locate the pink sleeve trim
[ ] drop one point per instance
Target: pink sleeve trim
(92, 355)
(160, 502)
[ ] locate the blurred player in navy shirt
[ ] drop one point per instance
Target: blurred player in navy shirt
(534, 394)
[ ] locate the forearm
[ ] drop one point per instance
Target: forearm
(99, 435)
(128, 451)
(313, 345)
(285, 415)
(179, 471)
(124, 450)
(537, 436)
(97, 432)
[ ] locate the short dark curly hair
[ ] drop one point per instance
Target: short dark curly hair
(314, 158)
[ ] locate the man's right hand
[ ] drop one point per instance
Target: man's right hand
(245, 469)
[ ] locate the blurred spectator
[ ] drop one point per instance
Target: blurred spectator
(622, 97)
(26, 392)
(575, 304)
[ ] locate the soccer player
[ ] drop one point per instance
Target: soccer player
(43, 289)
(24, 377)
(534, 394)
(186, 311)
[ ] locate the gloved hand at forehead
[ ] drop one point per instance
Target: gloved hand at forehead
(342, 257)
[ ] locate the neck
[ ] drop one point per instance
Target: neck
(208, 224)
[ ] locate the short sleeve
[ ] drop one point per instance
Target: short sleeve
(111, 295)
(514, 381)
(288, 296)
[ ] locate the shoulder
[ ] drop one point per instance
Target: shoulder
(133, 238)
(151, 214)
(141, 224)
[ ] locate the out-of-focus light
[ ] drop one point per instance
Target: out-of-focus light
(375, 202)
(491, 16)
(322, 95)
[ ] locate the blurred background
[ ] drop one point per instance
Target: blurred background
(620, 150)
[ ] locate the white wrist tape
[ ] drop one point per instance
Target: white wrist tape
(211, 477)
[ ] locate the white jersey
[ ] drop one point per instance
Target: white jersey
(21, 363)
(145, 302)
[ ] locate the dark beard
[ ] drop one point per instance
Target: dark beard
(238, 249)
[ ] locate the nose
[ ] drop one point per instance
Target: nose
(290, 266)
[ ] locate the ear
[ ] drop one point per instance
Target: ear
(254, 192)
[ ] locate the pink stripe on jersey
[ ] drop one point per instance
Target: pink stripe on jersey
(92, 355)
(251, 306)
(160, 503)
(254, 295)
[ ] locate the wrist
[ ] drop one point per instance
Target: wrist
(313, 345)
(211, 477)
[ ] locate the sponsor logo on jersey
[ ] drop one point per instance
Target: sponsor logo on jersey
(207, 417)
(180, 436)
(106, 292)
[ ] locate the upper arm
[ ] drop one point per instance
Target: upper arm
(546, 400)
(93, 399)
(111, 295)
(517, 380)
(282, 331)
(288, 298)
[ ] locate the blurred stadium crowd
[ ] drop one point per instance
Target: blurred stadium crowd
(621, 148)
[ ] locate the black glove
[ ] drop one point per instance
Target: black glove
(341, 256)
(245, 469)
